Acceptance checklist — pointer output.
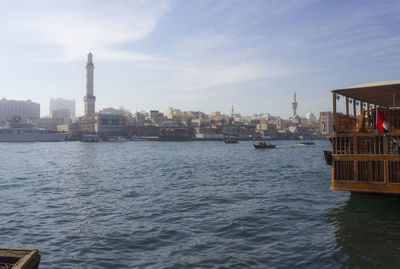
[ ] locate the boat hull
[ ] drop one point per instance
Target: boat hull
(264, 146)
(48, 137)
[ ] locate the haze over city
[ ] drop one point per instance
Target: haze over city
(197, 55)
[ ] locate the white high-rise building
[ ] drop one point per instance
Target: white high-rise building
(62, 104)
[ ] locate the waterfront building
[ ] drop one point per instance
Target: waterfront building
(23, 109)
(111, 110)
(62, 104)
(215, 115)
(325, 123)
(267, 129)
(156, 118)
(64, 114)
(139, 119)
(107, 124)
(47, 123)
(84, 125)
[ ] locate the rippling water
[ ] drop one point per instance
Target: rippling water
(189, 205)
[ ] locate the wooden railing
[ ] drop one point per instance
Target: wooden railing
(350, 124)
(366, 143)
(345, 123)
(367, 169)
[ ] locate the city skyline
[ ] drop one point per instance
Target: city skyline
(197, 56)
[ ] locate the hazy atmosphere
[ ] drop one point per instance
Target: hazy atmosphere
(197, 55)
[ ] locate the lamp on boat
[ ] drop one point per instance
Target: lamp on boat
(350, 101)
(338, 97)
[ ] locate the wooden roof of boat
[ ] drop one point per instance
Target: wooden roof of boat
(383, 93)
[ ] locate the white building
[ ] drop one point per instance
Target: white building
(24, 109)
(61, 103)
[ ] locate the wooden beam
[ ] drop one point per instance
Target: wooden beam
(361, 107)
(394, 99)
(334, 111)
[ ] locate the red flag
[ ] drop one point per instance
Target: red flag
(381, 123)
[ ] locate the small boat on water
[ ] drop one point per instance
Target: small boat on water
(307, 141)
(264, 145)
(229, 139)
(117, 139)
(90, 138)
(328, 157)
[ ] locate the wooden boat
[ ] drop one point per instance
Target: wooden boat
(366, 142)
(307, 141)
(90, 138)
(264, 145)
(228, 139)
(328, 157)
(17, 258)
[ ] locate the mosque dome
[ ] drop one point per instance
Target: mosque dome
(310, 116)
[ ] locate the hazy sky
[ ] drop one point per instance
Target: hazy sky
(197, 54)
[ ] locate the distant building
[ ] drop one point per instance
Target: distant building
(60, 103)
(111, 110)
(109, 124)
(156, 117)
(62, 114)
(85, 125)
(267, 129)
(46, 123)
(326, 123)
(311, 117)
(24, 109)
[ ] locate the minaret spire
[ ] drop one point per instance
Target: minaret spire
(294, 105)
(90, 99)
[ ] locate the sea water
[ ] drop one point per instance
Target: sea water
(149, 204)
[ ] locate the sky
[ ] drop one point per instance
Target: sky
(206, 55)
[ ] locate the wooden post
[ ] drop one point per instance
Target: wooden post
(355, 145)
(334, 110)
(386, 171)
(347, 106)
(355, 170)
(394, 99)
(385, 145)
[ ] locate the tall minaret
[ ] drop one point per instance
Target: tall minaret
(294, 105)
(90, 99)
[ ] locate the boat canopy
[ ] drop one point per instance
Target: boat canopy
(382, 93)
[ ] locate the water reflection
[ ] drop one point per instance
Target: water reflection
(367, 231)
